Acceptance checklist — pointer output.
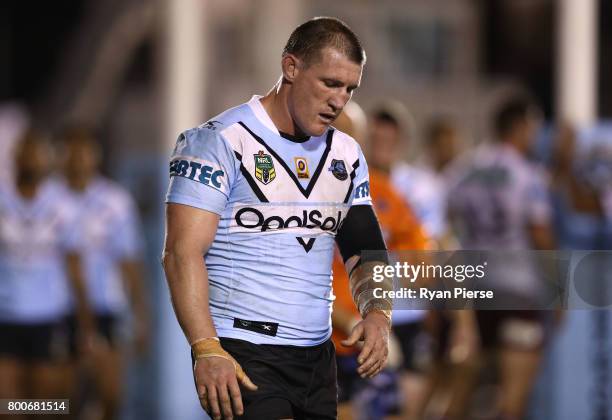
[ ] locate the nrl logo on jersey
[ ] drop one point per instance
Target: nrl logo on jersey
(264, 168)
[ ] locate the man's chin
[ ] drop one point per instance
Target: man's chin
(314, 130)
(318, 130)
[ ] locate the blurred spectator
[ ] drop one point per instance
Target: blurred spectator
(442, 148)
(424, 187)
(39, 265)
(441, 144)
(579, 214)
(383, 150)
(112, 260)
(372, 398)
(389, 133)
(501, 202)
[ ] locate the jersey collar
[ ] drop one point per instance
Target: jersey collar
(261, 114)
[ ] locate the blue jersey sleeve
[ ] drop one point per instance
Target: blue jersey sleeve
(361, 195)
(202, 170)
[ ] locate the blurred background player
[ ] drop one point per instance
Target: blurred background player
(39, 265)
(442, 145)
(401, 232)
(390, 131)
(423, 189)
(111, 251)
(372, 398)
(501, 202)
(454, 335)
(578, 205)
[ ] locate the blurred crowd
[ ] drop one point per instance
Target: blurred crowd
(74, 309)
(528, 187)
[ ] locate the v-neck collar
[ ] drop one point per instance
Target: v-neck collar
(305, 191)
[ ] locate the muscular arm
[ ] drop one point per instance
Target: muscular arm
(189, 234)
(361, 231)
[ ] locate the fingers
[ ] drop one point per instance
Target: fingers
(375, 369)
(213, 402)
(355, 336)
(222, 400)
(374, 363)
(244, 379)
(217, 384)
(236, 397)
(366, 351)
(373, 356)
(225, 404)
(204, 401)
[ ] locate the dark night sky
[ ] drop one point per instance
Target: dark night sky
(33, 33)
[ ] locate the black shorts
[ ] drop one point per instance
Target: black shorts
(293, 382)
(43, 342)
(412, 340)
(107, 326)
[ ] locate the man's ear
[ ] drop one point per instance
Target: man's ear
(290, 65)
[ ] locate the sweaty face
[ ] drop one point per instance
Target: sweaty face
(320, 91)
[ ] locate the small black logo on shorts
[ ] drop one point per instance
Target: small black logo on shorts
(338, 169)
(261, 327)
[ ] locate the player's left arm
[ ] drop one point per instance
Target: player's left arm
(132, 272)
(128, 248)
(361, 232)
(84, 314)
(70, 242)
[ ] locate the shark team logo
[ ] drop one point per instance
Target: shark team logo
(264, 168)
(338, 169)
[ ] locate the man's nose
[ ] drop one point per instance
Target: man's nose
(338, 101)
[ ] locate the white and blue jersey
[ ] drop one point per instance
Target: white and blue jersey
(281, 202)
(35, 236)
(110, 229)
(498, 194)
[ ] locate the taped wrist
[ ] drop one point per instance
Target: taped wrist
(209, 347)
(362, 286)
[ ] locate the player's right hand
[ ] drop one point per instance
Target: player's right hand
(217, 376)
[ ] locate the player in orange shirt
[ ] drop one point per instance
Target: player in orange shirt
(401, 231)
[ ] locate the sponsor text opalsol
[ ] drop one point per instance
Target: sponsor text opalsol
(251, 218)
